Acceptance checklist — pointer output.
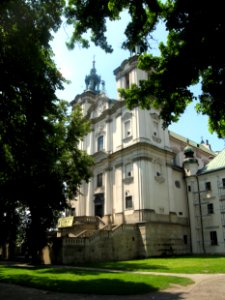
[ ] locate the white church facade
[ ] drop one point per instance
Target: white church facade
(142, 175)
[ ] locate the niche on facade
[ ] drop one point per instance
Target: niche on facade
(155, 128)
(177, 184)
(158, 171)
(127, 126)
(128, 173)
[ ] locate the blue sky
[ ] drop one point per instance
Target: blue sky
(76, 64)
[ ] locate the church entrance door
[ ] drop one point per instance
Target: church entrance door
(99, 205)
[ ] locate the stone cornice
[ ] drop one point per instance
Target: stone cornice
(137, 151)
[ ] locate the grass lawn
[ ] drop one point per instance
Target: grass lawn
(70, 280)
(188, 265)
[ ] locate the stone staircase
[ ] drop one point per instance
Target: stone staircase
(90, 239)
(81, 227)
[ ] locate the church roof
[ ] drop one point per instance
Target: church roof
(215, 164)
(190, 142)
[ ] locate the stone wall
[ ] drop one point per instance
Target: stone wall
(117, 244)
(163, 239)
(128, 241)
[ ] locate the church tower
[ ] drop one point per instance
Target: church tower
(190, 163)
(93, 80)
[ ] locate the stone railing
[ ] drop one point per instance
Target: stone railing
(88, 220)
(91, 236)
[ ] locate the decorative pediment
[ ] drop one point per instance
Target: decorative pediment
(99, 190)
(155, 116)
(159, 179)
(100, 155)
(128, 180)
(100, 129)
(101, 106)
(158, 161)
(98, 106)
(126, 116)
(156, 139)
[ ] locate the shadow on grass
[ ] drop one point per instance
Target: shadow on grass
(12, 292)
(66, 280)
(102, 286)
(96, 267)
(129, 266)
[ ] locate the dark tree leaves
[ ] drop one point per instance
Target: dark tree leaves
(40, 163)
(193, 53)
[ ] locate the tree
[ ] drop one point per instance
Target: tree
(40, 163)
(193, 53)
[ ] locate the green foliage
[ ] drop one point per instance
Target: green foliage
(85, 15)
(40, 164)
(193, 53)
(88, 282)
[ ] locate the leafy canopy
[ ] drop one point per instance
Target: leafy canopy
(40, 163)
(193, 53)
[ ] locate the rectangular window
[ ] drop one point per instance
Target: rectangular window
(177, 184)
(210, 208)
(208, 186)
(99, 180)
(189, 188)
(100, 143)
(129, 203)
(185, 237)
(223, 182)
(213, 238)
(127, 81)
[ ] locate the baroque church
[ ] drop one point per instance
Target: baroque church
(153, 192)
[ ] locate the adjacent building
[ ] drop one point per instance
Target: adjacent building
(206, 197)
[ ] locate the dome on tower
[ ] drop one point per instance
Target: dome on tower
(188, 151)
(93, 80)
(189, 155)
